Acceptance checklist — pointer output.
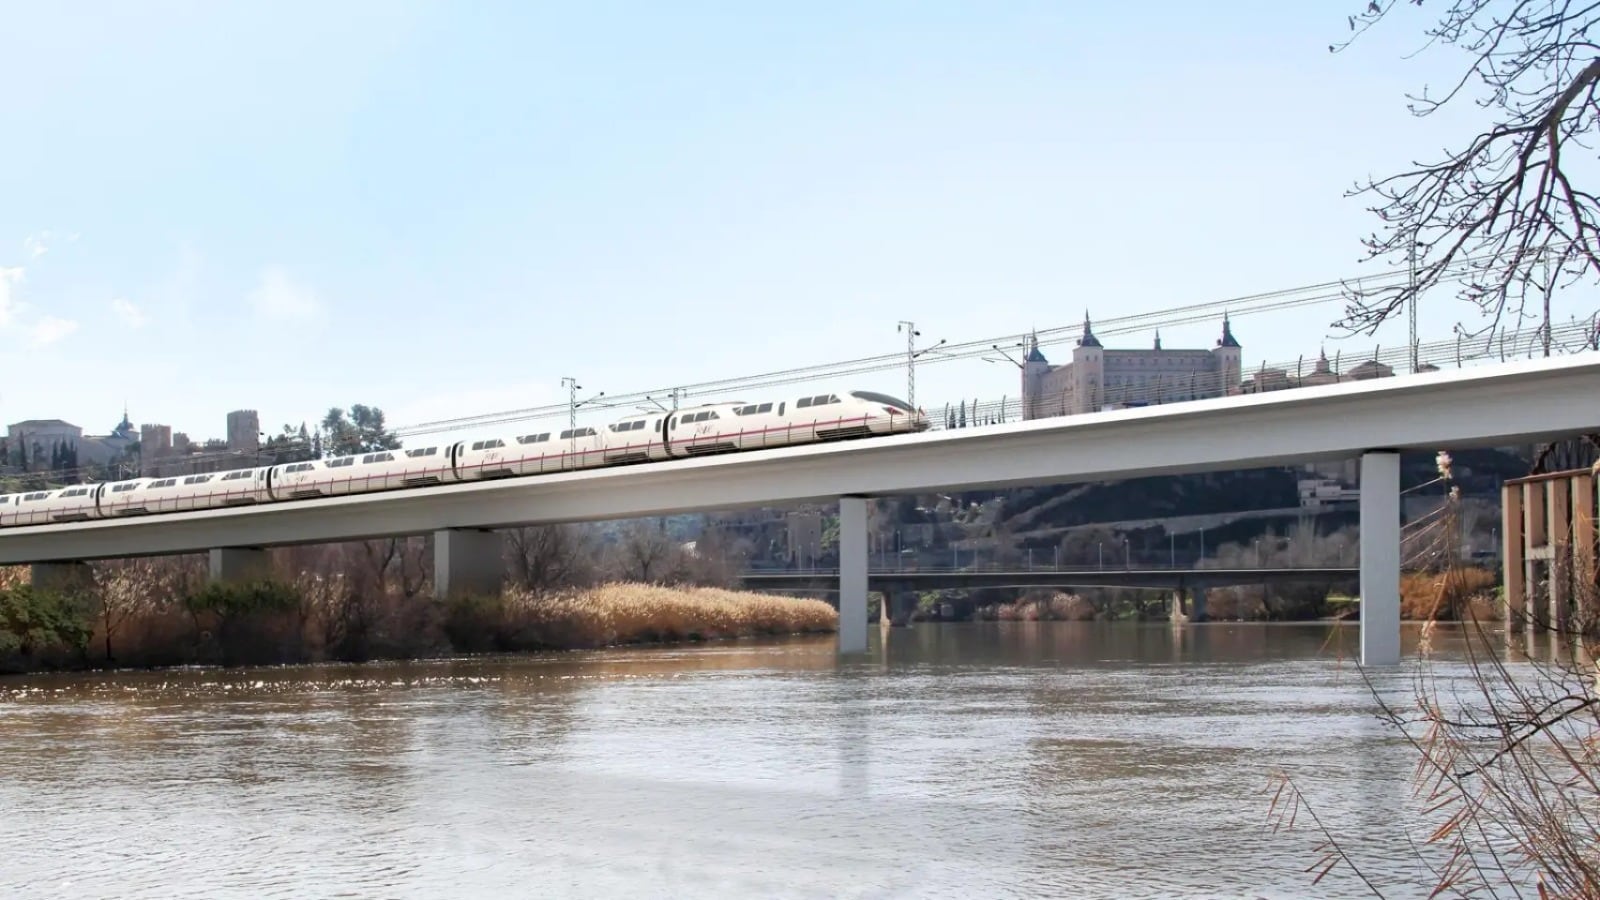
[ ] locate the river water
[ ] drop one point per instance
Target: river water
(960, 760)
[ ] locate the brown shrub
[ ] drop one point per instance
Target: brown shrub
(1041, 605)
(1446, 595)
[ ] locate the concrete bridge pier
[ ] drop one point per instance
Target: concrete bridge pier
(1196, 608)
(233, 565)
(852, 575)
(62, 577)
(1380, 558)
(899, 603)
(467, 561)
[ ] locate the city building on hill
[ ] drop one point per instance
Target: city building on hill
(40, 436)
(148, 451)
(1322, 372)
(244, 431)
(1099, 378)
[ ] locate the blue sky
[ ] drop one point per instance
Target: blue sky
(442, 209)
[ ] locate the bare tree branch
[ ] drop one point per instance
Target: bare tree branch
(1499, 213)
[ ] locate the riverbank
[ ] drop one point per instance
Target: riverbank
(314, 620)
(1448, 595)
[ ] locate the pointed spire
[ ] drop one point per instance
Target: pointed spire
(1033, 349)
(1088, 339)
(1228, 340)
(1158, 339)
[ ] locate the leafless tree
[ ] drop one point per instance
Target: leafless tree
(1506, 215)
(646, 553)
(551, 556)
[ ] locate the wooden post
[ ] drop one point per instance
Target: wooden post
(1584, 549)
(1558, 518)
(1512, 557)
(1533, 524)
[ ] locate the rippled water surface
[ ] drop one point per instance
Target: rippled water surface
(962, 761)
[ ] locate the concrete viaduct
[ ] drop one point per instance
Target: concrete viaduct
(1513, 403)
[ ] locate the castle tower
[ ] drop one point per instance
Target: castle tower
(1034, 368)
(1229, 361)
(1088, 371)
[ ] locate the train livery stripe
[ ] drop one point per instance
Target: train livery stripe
(276, 478)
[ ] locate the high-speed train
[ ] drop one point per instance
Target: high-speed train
(648, 437)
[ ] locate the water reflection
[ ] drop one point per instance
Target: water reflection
(1002, 759)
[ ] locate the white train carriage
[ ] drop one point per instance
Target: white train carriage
(68, 504)
(703, 430)
(124, 498)
(530, 454)
(888, 415)
(712, 428)
(635, 440)
(298, 481)
(34, 508)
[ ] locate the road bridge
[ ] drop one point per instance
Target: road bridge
(956, 579)
(900, 586)
(1520, 402)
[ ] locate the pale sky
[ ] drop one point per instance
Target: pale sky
(442, 209)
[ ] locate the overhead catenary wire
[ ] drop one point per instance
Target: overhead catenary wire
(1245, 305)
(1441, 353)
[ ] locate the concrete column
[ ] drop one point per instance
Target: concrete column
(467, 561)
(852, 575)
(62, 577)
(1197, 603)
(898, 605)
(239, 564)
(1380, 558)
(1175, 612)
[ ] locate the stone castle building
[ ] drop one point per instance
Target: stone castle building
(1098, 378)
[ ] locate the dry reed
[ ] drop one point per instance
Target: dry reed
(617, 613)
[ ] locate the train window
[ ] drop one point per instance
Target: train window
(332, 464)
(235, 476)
(802, 403)
(781, 406)
(423, 451)
(197, 479)
(119, 488)
(534, 438)
(568, 433)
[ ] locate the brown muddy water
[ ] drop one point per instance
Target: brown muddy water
(1038, 759)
